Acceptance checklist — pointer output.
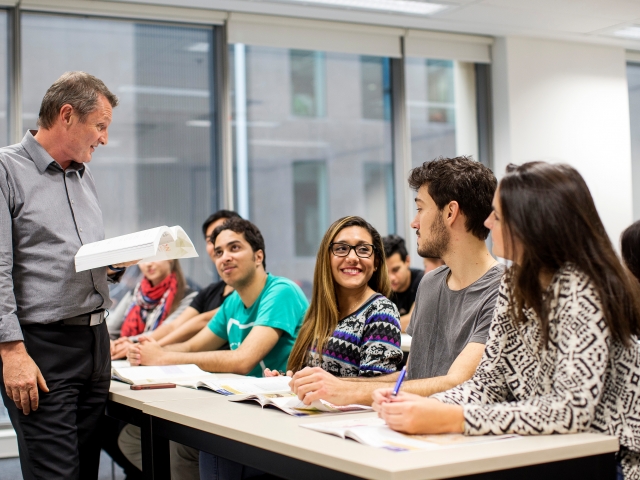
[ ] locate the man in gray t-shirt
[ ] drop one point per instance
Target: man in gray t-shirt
(445, 321)
(454, 304)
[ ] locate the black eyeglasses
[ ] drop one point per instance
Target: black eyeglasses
(364, 250)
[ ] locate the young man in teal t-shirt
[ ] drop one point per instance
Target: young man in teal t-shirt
(260, 320)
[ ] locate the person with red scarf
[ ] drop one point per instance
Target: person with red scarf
(160, 296)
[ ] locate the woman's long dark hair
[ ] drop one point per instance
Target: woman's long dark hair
(548, 210)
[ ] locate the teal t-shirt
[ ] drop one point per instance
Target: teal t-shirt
(281, 305)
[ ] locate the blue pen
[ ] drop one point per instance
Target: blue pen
(396, 389)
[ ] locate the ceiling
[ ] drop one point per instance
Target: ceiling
(591, 21)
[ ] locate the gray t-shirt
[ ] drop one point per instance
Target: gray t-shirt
(444, 321)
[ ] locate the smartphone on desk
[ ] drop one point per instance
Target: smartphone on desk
(153, 386)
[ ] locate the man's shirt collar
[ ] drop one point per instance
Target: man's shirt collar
(41, 157)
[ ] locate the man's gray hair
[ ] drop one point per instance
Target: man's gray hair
(78, 89)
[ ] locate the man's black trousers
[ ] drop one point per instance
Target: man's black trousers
(60, 440)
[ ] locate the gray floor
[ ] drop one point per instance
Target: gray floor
(10, 469)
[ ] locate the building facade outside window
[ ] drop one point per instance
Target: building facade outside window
(312, 143)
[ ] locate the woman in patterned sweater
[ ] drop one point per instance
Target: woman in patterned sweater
(563, 353)
(351, 329)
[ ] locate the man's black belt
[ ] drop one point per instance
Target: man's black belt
(88, 319)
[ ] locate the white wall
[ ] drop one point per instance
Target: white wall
(566, 102)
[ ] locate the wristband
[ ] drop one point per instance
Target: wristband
(116, 269)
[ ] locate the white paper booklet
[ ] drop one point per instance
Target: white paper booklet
(374, 432)
(250, 385)
(288, 402)
(184, 375)
(160, 243)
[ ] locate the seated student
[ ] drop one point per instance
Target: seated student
(454, 304)
(350, 330)
(563, 353)
(404, 280)
(630, 248)
(260, 321)
(160, 297)
(190, 320)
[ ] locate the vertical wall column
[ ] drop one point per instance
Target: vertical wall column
(566, 102)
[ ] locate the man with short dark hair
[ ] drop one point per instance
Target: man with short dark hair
(454, 304)
(54, 345)
(196, 316)
(260, 321)
(404, 279)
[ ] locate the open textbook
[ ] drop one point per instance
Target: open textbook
(288, 402)
(160, 243)
(192, 376)
(374, 432)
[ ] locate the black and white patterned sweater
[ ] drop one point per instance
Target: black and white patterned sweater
(582, 381)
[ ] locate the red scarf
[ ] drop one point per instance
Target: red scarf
(149, 300)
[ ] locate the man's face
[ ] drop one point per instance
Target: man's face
(207, 237)
(399, 273)
(84, 137)
(433, 237)
(234, 259)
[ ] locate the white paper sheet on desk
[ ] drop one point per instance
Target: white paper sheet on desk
(375, 433)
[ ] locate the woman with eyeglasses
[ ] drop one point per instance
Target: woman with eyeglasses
(351, 329)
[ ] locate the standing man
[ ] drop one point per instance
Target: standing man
(54, 344)
(404, 279)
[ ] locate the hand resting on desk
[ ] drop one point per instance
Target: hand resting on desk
(413, 414)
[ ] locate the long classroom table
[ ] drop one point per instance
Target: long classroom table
(273, 442)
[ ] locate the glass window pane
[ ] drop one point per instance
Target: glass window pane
(431, 108)
(633, 78)
(376, 87)
(307, 83)
(305, 171)
(156, 169)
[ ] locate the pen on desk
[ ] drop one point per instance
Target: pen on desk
(396, 389)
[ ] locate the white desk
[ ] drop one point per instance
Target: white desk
(273, 442)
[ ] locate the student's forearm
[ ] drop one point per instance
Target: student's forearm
(227, 361)
(187, 330)
(404, 321)
(429, 386)
(162, 331)
(392, 377)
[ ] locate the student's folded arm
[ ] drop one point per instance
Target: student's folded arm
(166, 328)
(188, 328)
(251, 351)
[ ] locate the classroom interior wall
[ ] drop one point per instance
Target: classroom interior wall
(566, 102)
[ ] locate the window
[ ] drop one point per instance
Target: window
(309, 205)
(157, 167)
(298, 174)
(307, 83)
(633, 78)
(375, 75)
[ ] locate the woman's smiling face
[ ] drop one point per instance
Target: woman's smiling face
(352, 272)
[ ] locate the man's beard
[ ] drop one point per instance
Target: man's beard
(435, 246)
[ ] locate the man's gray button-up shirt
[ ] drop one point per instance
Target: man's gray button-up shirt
(46, 215)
